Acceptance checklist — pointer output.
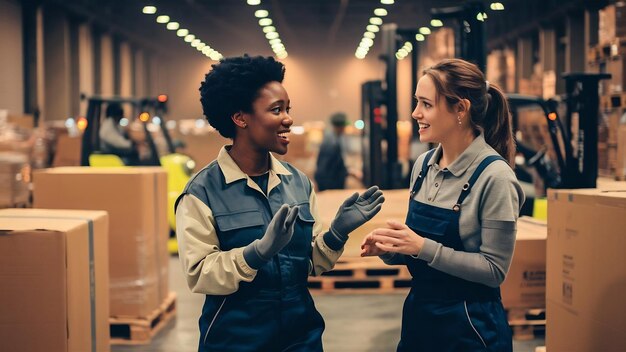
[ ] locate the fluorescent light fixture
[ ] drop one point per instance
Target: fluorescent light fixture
(436, 22)
(372, 28)
(408, 46)
(271, 35)
(370, 35)
(189, 38)
(254, 2)
(275, 41)
(420, 37)
(149, 10)
(163, 19)
(172, 26)
(367, 41)
(261, 13)
(496, 6)
(282, 55)
(380, 12)
(195, 42)
(200, 46)
(265, 22)
(424, 30)
(376, 21)
(268, 29)
(182, 32)
(387, 2)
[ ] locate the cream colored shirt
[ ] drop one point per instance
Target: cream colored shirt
(207, 268)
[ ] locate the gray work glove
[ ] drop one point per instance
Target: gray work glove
(276, 237)
(354, 212)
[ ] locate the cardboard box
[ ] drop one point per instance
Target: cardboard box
(586, 270)
(54, 275)
(68, 149)
(525, 284)
(136, 200)
(620, 162)
(14, 179)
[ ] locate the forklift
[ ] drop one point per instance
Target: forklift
(179, 167)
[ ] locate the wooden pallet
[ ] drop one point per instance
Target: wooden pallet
(140, 331)
(527, 324)
(362, 275)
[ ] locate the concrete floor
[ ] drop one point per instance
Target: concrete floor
(363, 323)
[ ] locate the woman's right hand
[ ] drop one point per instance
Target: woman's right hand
(369, 248)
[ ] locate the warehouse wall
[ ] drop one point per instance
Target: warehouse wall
(11, 65)
(317, 87)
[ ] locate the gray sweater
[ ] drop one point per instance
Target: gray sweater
(488, 218)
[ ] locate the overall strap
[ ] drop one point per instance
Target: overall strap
(468, 186)
(422, 174)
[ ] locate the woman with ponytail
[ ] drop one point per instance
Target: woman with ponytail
(459, 233)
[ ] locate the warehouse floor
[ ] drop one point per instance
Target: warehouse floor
(367, 323)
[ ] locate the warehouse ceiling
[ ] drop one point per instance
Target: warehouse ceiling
(306, 27)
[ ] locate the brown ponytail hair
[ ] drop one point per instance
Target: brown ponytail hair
(457, 79)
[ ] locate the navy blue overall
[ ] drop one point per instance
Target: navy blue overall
(275, 311)
(443, 312)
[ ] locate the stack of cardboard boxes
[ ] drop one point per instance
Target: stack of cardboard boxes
(136, 200)
(586, 269)
(54, 274)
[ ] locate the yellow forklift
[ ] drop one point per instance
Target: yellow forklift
(179, 167)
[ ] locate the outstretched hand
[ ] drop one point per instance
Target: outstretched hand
(357, 210)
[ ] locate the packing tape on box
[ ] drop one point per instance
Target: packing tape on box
(92, 272)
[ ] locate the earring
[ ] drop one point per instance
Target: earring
(459, 118)
(244, 125)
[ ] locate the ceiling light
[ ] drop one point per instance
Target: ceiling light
(436, 23)
(367, 41)
(163, 19)
(275, 41)
(419, 37)
(182, 32)
(376, 21)
(282, 55)
(149, 10)
(479, 17)
(271, 35)
(387, 2)
(399, 56)
(200, 46)
(369, 35)
(496, 6)
(268, 29)
(425, 30)
(380, 12)
(172, 26)
(207, 50)
(408, 46)
(373, 28)
(265, 22)
(195, 42)
(254, 2)
(215, 56)
(189, 38)
(261, 13)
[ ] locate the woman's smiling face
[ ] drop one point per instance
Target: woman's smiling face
(436, 120)
(268, 125)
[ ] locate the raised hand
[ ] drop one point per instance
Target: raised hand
(277, 235)
(355, 211)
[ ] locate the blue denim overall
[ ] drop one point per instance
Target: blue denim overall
(443, 312)
(275, 311)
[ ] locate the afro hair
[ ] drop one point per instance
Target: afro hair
(233, 85)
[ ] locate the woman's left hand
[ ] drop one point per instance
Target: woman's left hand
(398, 238)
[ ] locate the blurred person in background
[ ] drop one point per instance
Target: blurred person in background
(114, 139)
(247, 224)
(460, 229)
(331, 171)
